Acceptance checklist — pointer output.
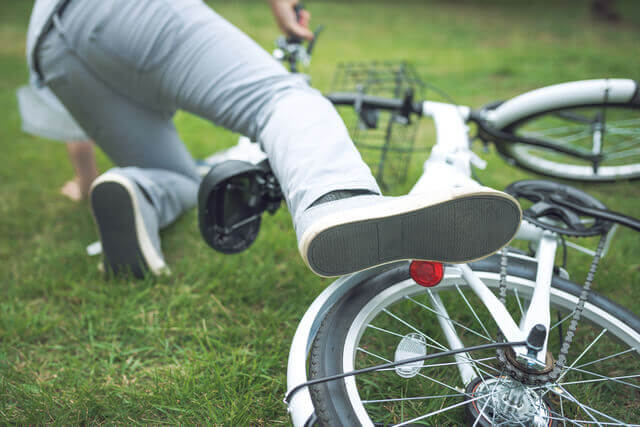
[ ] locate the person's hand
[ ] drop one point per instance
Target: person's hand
(286, 18)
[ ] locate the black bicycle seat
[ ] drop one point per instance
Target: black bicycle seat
(231, 200)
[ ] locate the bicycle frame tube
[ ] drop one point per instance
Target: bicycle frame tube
(450, 162)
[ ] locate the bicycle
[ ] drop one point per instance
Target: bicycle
(378, 316)
(358, 355)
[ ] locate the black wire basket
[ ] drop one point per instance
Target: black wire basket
(386, 140)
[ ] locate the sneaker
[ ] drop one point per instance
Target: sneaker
(128, 226)
(454, 225)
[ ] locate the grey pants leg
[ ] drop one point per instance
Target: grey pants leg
(142, 142)
(130, 64)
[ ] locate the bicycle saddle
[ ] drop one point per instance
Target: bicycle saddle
(231, 200)
(572, 212)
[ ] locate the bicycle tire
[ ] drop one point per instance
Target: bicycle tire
(332, 400)
(617, 101)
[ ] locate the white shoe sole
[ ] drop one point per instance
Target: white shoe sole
(126, 244)
(455, 226)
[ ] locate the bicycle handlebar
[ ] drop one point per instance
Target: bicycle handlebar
(405, 106)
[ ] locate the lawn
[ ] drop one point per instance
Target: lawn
(210, 343)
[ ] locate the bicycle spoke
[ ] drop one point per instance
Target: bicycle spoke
(439, 347)
(580, 422)
(414, 329)
(626, 122)
(515, 291)
(575, 401)
(419, 373)
(449, 319)
(402, 399)
(373, 355)
(562, 412)
(614, 148)
(604, 378)
(607, 357)
(474, 312)
(478, 370)
(467, 359)
(622, 154)
(623, 131)
(567, 140)
(585, 407)
(481, 412)
(582, 354)
(561, 321)
(422, 417)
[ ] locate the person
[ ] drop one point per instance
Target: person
(123, 68)
(43, 115)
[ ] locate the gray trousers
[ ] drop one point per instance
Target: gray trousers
(122, 68)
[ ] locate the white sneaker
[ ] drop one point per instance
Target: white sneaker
(128, 226)
(454, 225)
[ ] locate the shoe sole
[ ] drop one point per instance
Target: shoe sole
(126, 245)
(458, 230)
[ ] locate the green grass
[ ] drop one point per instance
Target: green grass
(210, 343)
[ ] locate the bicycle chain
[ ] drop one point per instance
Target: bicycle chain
(544, 378)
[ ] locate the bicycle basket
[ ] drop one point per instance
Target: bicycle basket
(386, 140)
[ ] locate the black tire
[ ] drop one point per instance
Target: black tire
(554, 164)
(331, 400)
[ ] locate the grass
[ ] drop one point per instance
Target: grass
(209, 344)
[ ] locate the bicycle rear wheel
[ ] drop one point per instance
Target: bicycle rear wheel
(367, 326)
(591, 117)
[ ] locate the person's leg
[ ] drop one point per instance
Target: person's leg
(157, 180)
(168, 55)
(219, 73)
(84, 165)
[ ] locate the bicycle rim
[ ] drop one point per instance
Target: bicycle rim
(599, 385)
(612, 130)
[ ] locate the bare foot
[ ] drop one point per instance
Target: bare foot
(71, 189)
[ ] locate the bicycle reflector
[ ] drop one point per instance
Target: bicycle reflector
(426, 273)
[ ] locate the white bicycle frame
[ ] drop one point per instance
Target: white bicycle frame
(450, 163)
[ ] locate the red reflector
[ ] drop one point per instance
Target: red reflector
(426, 273)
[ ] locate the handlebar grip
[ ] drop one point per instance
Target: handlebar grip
(374, 102)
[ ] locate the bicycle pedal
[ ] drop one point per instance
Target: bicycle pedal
(231, 200)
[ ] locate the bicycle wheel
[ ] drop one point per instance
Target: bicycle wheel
(368, 326)
(615, 129)
(595, 117)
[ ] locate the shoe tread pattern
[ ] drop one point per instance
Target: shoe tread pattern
(114, 213)
(455, 231)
